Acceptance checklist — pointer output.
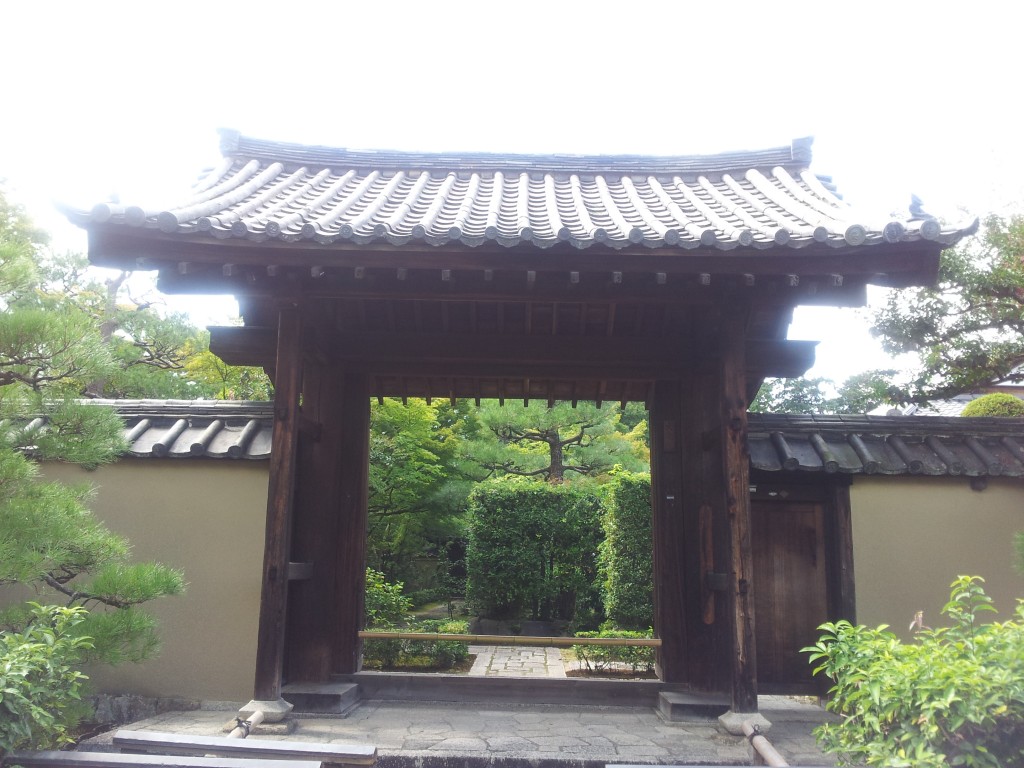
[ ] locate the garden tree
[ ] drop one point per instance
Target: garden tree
(49, 541)
(418, 481)
(150, 349)
(858, 394)
(226, 382)
(157, 355)
(968, 331)
(547, 442)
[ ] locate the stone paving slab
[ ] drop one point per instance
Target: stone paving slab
(445, 735)
(516, 661)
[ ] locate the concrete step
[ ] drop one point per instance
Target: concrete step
(334, 698)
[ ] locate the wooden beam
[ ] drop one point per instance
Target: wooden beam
(280, 494)
(552, 356)
(899, 264)
(772, 290)
(736, 469)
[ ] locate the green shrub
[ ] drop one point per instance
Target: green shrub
(441, 654)
(426, 653)
(385, 605)
(1001, 404)
(626, 555)
(640, 658)
(40, 698)
(532, 548)
(955, 697)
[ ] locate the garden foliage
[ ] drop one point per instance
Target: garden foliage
(955, 697)
(531, 549)
(999, 404)
(626, 554)
(639, 658)
(40, 687)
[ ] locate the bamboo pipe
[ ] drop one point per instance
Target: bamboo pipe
(650, 642)
(244, 727)
(762, 747)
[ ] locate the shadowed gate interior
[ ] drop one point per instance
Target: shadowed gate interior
(664, 280)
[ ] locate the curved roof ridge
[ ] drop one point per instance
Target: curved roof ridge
(233, 144)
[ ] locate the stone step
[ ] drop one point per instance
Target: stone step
(676, 706)
(335, 698)
(412, 687)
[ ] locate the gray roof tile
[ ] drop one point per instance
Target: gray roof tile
(844, 444)
(287, 192)
(890, 445)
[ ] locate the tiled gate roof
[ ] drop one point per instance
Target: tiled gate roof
(271, 191)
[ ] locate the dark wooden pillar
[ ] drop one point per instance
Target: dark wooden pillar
(326, 605)
(277, 546)
(669, 538)
(690, 534)
(312, 599)
(350, 537)
(842, 597)
(736, 470)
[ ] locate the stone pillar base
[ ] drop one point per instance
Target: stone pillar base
(273, 711)
(733, 722)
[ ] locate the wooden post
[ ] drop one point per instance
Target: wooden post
(350, 541)
(276, 552)
(313, 600)
(736, 468)
(670, 607)
(842, 599)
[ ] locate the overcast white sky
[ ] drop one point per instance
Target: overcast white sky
(901, 97)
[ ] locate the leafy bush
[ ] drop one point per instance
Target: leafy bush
(1000, 404)
(385, 605)
(532, 548)
(956, 697)
(40, 699)
(626, 554)
(441, 654)
(422, 654)
(599, 657)
(385, 608)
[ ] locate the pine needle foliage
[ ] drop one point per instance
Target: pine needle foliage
(49, 539)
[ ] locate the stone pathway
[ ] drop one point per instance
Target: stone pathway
(516, 661)
(494, 735)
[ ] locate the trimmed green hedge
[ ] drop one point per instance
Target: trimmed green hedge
(532, 549)
(998, 404)
(626, 559)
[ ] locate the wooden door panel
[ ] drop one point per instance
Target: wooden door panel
(790, 592)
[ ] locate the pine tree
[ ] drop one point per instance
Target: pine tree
(49, 540)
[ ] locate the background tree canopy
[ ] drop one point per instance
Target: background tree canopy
(968, 331)
(549, 443)
(858, 394)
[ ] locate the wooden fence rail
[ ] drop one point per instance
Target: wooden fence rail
(650, 642)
